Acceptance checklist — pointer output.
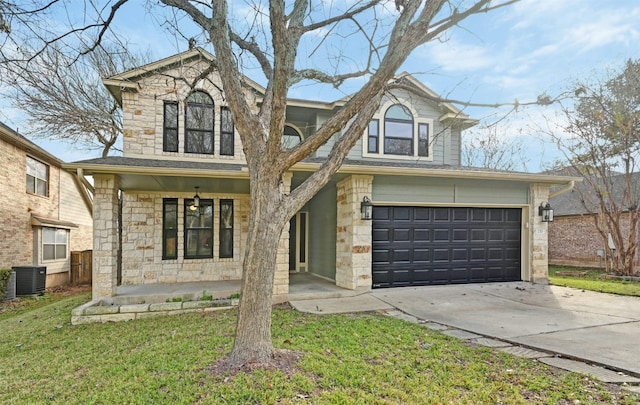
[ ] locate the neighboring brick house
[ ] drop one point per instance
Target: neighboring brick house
(46, 211)
(434, 222)
(574, 239)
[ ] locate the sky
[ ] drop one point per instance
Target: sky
(517, 53)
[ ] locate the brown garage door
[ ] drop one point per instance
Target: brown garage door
(438, 245)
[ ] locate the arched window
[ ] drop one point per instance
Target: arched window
(199, 121)
(398, 131)
(290, 137)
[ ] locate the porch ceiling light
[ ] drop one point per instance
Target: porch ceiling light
(546, 212)
(196, 201)
(366, 209)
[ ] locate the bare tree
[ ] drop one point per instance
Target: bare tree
(484, 147)
(284, 40)
(603, 146)
(63, 96)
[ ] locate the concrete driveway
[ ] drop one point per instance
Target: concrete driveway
(594, 327)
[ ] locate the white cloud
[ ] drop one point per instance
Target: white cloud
(455, 56)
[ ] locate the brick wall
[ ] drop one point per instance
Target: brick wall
(21, 242)
(574, 240)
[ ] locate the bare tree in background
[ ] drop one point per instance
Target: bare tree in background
(287, 42)
(484, 147)
(604, 147)
(63, 96)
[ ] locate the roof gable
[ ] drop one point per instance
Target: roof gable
(127, 80)
(13, 137)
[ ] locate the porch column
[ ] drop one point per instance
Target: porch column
(539, 236)
(105, 236)
(353, 235)
(281, 279)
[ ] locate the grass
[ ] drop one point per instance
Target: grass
(348, 359)
(592, 281)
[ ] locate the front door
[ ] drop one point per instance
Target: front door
(298, 237)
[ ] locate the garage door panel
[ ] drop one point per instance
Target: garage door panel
(461, 235)
(381, 234)
(440, 245)
(402, 235)
(460, 255)
(420, 235)
(421, 214)
(401, 256)
(381, 256)
(440, 235)
(421, 256)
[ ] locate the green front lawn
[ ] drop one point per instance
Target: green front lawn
(360, 358)
(592, 280)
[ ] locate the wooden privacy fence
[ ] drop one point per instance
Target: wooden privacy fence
(81, 267)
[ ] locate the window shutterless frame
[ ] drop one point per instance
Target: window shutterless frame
(226, 132)
(169, 228)
(199, 123)
(198, 230)
(170, 127)
(226, 229)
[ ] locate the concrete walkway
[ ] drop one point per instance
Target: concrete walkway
(557, 325)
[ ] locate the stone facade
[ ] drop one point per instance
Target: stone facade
(105, 236)
(143, 113)
(539, 242)
(21, 240)
(353, 247)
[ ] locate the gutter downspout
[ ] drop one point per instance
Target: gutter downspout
(563, 190)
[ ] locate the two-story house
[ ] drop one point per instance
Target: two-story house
(183, 186)
(46, 211)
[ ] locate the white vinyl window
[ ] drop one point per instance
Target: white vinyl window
(54, 243)
(37, 177)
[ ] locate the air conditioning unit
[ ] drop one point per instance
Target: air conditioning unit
(30, 280)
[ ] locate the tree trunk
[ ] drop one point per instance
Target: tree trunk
(253, 329)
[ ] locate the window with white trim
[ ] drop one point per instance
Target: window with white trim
(54, 243)
(398, 134)
(37, 177)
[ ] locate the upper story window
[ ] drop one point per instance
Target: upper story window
(400, 135)
(290, 137)
(398, 131)
(226, 132)
(170, 127)
(37, 177)
(199, 119)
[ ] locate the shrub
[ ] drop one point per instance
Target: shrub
(5, 274)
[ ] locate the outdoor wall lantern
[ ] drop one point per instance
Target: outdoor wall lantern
(546, 212)
(196, 201)
(366, 209)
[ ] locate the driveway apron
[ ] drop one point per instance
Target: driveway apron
(594, 327)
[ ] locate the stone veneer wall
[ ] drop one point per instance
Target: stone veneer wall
(105, 236)
(281, 278)
(353, 248)
(142, 261)
(539, 242)
(143, 112)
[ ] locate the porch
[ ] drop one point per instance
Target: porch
(302, 286)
